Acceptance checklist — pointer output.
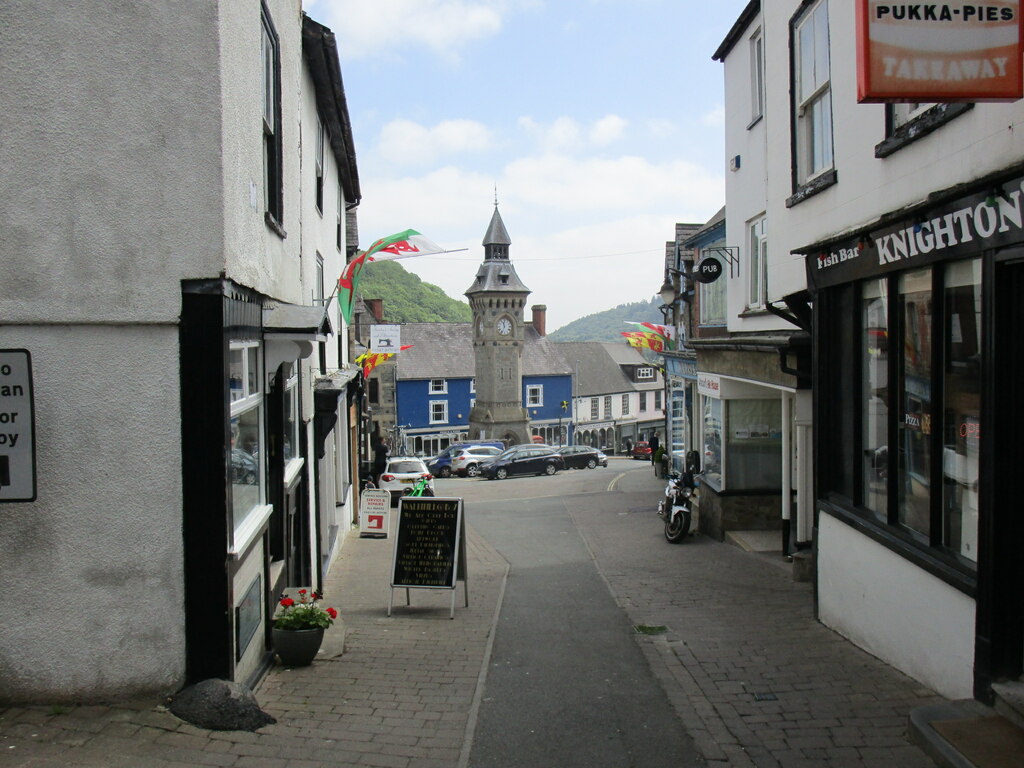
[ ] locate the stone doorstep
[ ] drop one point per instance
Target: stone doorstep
(946, 755)
(1010, 701)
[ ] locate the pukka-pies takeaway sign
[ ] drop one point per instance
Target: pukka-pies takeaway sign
(939, 51)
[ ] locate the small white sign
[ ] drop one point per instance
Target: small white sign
(385, 338)
(374, 513)
(17, 427)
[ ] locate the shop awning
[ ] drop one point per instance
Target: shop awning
(290, 330)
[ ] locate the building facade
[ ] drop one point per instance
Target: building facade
(174, 343)
(905, 221)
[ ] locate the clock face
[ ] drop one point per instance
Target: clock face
(504, 326)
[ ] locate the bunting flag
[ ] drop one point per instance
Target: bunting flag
(403, 245)
(370, 360)
(645, 340)
(666, 332)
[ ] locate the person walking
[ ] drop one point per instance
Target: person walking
(655, 444)
(380, 459)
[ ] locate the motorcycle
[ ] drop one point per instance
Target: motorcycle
(676, 508)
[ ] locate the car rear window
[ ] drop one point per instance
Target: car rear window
(405, 467)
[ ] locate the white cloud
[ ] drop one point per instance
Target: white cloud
(606, 130)
(386, 28)
(408, 142)
(714, 118)
(617, 213)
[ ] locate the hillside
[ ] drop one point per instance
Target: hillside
(609, 325)
(407, 299)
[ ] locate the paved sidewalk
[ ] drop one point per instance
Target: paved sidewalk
(403, 693)
(753, 677)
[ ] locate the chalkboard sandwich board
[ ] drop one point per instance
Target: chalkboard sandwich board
(430, 545)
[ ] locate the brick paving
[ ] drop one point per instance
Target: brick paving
(754, 678)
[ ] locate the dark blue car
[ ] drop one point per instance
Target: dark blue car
(524, 460)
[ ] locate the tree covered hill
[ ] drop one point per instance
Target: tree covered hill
(609, 325)
(407, 299)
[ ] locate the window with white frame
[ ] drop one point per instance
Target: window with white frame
(657, 399)
(607, 406)
(812, 86)
(625, 405)
(645, 373)
(273, 193)
(472, 386)
(905, 113)
(320, 131)
(713, 298)
(595, 409)
(318, 285)
(247, 476)
(291, 415)
(756, 76)
(340, 224)
(438, 411)
(643, 402)
(438, 386)
(534, 395)
(757, 283)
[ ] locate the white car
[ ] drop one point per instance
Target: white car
(401, 474)
(468, 461)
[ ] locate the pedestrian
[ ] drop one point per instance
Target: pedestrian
(655, 443)
(380, 459)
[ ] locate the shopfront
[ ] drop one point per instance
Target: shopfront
(918, 325)
(681, 434)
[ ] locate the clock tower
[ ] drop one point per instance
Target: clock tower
(497, 298)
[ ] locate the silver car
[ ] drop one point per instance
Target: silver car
(401, 474)
(468, 461)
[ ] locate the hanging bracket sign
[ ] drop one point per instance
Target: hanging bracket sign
(17, 427)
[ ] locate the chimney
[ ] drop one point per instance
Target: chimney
(376, 307)
(540, 319)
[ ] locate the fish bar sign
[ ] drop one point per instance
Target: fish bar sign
(939, 51)
(17, 427)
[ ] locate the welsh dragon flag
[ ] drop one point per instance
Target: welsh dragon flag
(370, 360)
(403, 245)
(645, 340)
(665, 332)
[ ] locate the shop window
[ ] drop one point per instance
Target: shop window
(753, 448)
(813, 93)
(915, 391)
(712, 438)
(246, 473)
(961, 407)
(875, 395)
(290, 445)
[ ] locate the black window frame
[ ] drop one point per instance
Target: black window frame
(273, 163)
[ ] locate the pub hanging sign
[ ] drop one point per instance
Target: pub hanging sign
(939, 51)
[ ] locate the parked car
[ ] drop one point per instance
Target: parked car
(244, 468)
(441, 465)
(582, 457)
(401, 473)
(642, 450)
(468, 461)
(524, 460)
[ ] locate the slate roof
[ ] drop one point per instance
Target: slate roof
(496, 233)
(600, 367)
(445, 351)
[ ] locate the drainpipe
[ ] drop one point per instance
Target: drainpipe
(787, 472)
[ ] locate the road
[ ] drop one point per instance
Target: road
(567, 682)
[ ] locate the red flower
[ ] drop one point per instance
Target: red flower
(332, 613)
(287, 602)
(302, 591)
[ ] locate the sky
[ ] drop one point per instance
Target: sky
(596, 124)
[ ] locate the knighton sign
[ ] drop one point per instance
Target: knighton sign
(939, 51)
(964, 226)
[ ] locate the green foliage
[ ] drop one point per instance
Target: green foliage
(407, 299)
(609, 325)
(304, 613)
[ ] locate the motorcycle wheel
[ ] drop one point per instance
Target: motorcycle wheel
(677, 526)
